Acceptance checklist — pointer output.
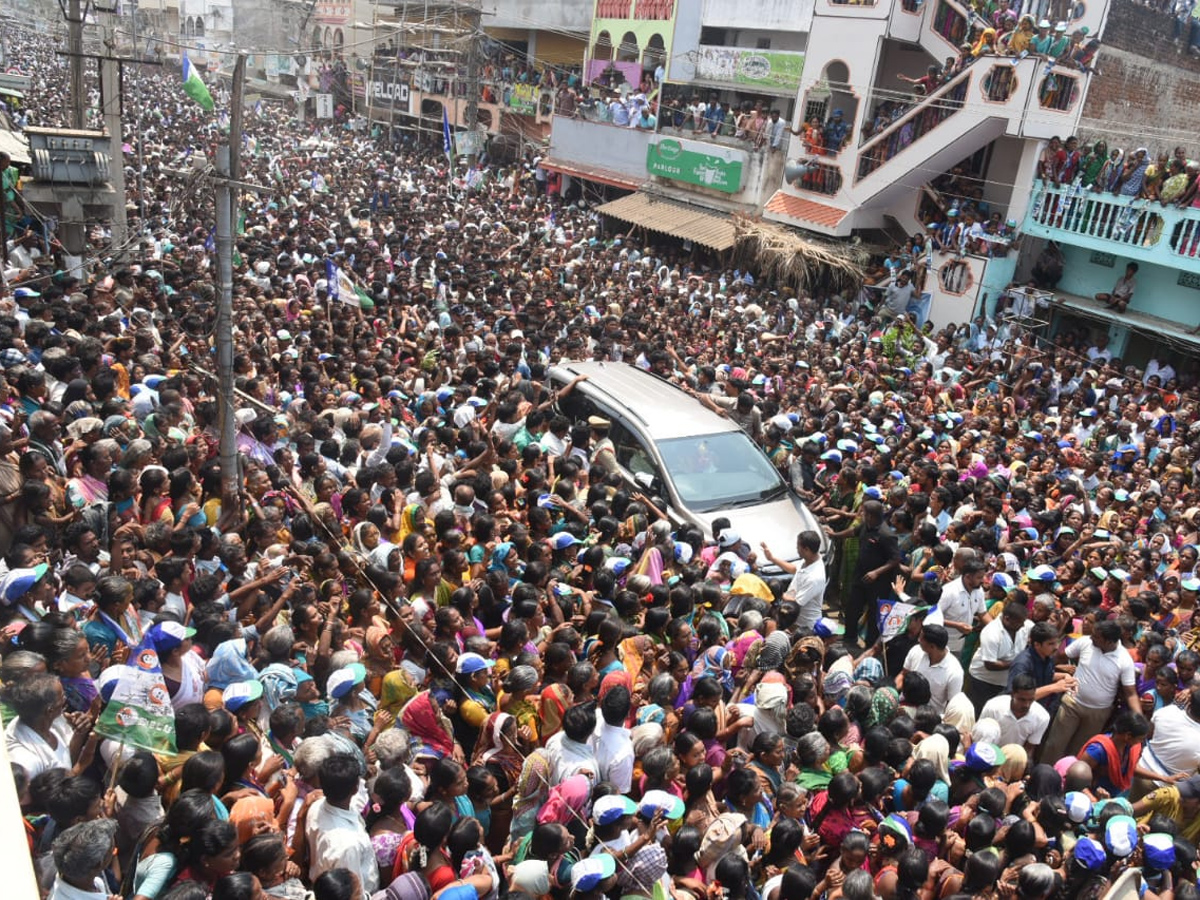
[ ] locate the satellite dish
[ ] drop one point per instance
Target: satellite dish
(794, 170)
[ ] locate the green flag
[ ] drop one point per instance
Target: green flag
(195, 87)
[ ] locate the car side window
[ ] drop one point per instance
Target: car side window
(576, 407)
(631, 452)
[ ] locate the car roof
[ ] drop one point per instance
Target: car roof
(663, 410)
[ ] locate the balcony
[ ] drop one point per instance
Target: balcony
(1142, 230)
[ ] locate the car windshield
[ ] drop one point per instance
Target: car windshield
(717, 471)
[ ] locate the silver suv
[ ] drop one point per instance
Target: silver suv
(701, 463)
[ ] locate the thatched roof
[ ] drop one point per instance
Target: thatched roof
(787, 257)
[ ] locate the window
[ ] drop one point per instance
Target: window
(714, 37)
(632, 454)
(762, 44)
(717, 471)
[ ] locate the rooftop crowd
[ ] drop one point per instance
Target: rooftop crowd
(437, 647)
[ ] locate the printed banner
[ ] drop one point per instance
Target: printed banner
(893, 615)
(778, 70)
(139, 713)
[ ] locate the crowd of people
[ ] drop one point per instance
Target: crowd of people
(432, 643)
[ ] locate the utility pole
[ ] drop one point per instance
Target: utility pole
(74, 16)
(229, 165)
(474, 22)
(110, 104)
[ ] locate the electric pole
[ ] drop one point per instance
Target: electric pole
(474, 22)
(229, 166)
(110, 104)
(74, 16)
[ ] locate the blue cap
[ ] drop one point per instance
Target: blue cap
(1159, 851)
(1079, 806)
(344, 680)
(166, 636)
(1121, 836)
(1000, 579)
(1090, 854)
(873, 493)
(612, 808)
(590, 872)
(832, 456)
(827, 627)
(470, 663)
(983, 756)
(562, 540)
(241, 693)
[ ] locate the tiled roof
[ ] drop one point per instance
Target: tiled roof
(805, 210)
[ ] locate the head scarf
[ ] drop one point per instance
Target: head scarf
(619, 678)
(380, 555)
(960, 713)
(714, 662)
(410, 520)
(425, 721)
(885, 703)
(533, 787)
(651, 713)
(374, 638)
(229, 665)
(936, 749)
(986, 731)
(357, 539)
(645, 869)
(566, 799)
(248, 811)
(1015, 762)
(398, 688)
(497, 564)
(869, 670)
(279, 683)
(773, 652)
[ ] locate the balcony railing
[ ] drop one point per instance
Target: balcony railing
(1122, 222)
(913, 125)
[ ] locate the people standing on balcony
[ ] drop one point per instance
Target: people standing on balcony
(1020, 39)
(1051, 162)
(929, 81)
(1044, 40)
(775, 130)
(1061, 42)
(836, 132)
(1132, 175)
(1122, 292)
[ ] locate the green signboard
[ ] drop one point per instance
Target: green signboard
(698, 163)
(777, 71)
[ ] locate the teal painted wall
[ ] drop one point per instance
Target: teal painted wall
(1158, 292)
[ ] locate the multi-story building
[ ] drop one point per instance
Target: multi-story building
(1138, 100)
(824, 60)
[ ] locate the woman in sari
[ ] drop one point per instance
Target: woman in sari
(533, 790)
(397, 689)
(514, 699)
(504, 561)
(379, 658)
(412, 521)
(715, 663)
(553, 702)
(425, 721)
(658, 558)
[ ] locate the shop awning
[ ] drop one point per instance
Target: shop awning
(690, 223)
(15, 146)
(590, 173)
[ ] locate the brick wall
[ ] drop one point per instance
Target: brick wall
(1145, 92)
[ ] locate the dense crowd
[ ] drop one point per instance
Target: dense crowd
(438, 646)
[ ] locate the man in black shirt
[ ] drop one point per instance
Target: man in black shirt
(878, 558)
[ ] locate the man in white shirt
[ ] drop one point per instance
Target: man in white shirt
(570, 751)
(611, 742)
(1000, 642)
(962, 601)
(1173, 750)
(1104, 669)
(337, 836)
(81, 854)
(1021, 718)
(809, 580)
(931, 659)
